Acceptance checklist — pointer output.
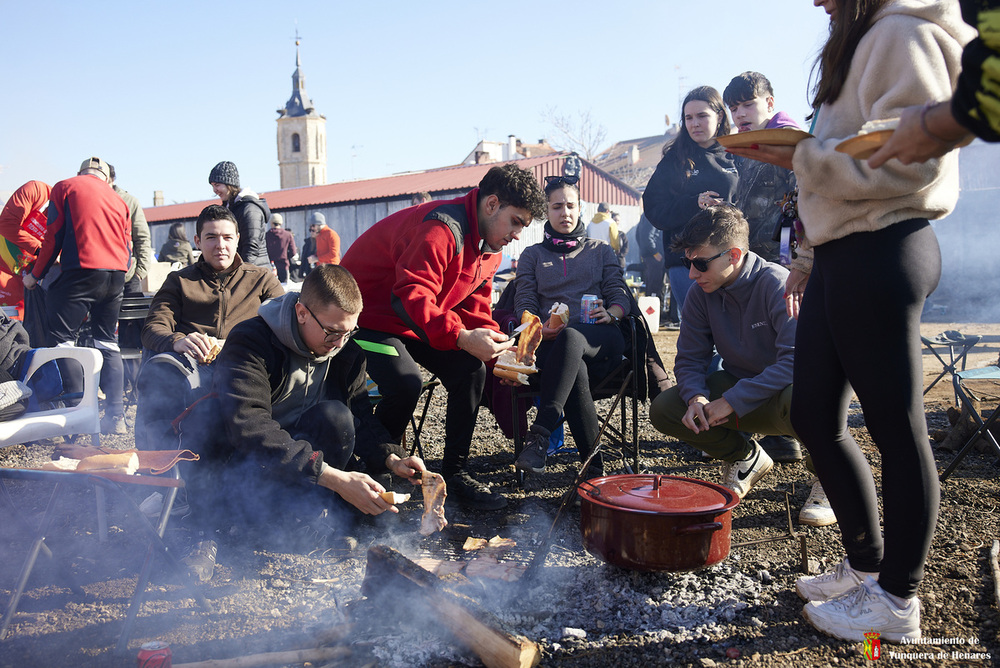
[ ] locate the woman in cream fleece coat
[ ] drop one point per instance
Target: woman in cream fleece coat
(867, 261)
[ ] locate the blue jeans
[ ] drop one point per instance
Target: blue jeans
(680, 283)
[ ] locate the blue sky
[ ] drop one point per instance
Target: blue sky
(166, 90)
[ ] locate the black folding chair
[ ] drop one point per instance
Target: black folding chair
(427, 388)
(966, 397)
(131, 319)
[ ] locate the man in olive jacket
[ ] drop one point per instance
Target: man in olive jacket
(195, 308)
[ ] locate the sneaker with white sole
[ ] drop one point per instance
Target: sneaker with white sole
(741, 475)
(817, 511)
(866, 608)
(831, 584)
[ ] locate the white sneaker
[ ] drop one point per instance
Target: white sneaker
(831, 584)
(817, 511)
(864, 609)
(740, 476)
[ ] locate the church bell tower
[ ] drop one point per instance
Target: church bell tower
(301, 136)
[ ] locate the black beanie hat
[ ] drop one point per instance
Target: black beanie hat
(225, 173)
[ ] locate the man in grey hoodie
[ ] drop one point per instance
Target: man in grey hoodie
(296, 421)
(737, 308)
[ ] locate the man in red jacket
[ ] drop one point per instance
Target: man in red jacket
(88, 224)
(426, 274)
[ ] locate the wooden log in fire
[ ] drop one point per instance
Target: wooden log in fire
(389, 572)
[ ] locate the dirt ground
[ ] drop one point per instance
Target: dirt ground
(270, 599)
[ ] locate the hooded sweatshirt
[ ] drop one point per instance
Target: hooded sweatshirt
(911, 54)
(747, 322)
(267, 378)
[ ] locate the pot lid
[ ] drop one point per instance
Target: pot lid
(659, 494)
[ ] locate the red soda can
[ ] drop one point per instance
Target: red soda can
(154, 654)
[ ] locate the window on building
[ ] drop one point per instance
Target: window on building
(296, 146)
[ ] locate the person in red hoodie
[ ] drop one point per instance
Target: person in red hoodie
(90, 229)
(426, 274)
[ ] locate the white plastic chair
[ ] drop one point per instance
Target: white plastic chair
(80, 419)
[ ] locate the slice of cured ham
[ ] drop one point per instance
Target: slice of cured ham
(434, 495)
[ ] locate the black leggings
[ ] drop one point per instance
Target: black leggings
(860, 328)
(567, 363)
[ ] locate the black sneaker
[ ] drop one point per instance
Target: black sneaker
(532, 457)
(781, 448)
(200, 561)
(468, 492)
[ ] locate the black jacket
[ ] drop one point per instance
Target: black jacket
(671, 196)
(251, 215)
(250, 374)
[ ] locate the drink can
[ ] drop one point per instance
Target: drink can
(587, 302)
(154, 654)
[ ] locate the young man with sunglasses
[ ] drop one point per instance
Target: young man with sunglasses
(427, 276)
(288, 434)
(736, 307)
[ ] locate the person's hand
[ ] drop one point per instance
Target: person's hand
(769, 153)
(483, 344)
(195, 344)
(708, 198)
(910, 143)
(795, 286)
(718, 412)
(695, 418)
(29, 281)
(358, 489)
(549, 334)
(408, 467)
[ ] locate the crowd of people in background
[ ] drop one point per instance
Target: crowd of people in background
(767, 249)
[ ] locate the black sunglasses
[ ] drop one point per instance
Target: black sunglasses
(701, 263)
(568, 180)
(332, 335)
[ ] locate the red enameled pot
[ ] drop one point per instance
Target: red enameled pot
(656, 522)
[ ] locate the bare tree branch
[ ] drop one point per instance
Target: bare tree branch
(581, 134)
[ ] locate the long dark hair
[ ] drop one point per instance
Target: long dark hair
(854, 19)
(683, 149)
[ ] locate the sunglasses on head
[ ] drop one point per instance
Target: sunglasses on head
(568, 180)
(701, 263)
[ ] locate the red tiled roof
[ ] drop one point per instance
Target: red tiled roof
(596, 185)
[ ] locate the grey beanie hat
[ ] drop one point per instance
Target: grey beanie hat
(225, 173)
(277, 219)
(317, 218)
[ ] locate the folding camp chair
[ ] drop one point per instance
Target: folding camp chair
(116, 484)
(959, 380)
(427, 388)
(958, 346)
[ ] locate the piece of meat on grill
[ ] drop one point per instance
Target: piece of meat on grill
(434, 495)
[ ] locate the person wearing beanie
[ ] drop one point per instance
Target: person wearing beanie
(280, 246)
(327, 242)
(249, 208)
